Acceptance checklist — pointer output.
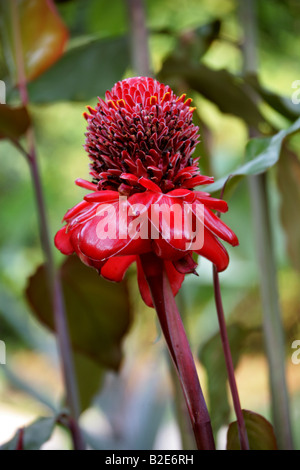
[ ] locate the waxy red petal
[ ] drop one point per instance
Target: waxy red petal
(102, 196)
(130, 178)
(75, 210)
(143, 284)
(148, 184)
(214, 251)
(116, 221)
(175, 278)
(185, 265)
(212, 203)
(185, 194)
(164, 249)
(219, 228)
(174, 235)
(198, 180)
(63, 243)
(86, 184)
(115, 268)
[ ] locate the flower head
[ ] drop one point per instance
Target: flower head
(140, 140)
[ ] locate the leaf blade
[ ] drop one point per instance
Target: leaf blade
(43, 35)
(261, 154)
(34, 435)
(78, 75)
(260, 433)
(98, 311)
(14, 122)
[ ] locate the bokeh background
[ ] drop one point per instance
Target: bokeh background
(138, 407)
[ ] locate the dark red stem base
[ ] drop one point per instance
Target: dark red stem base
(174, 333)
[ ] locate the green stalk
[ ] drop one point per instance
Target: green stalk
(272, 324)
(140, 57)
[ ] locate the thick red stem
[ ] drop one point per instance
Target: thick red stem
(179, 349)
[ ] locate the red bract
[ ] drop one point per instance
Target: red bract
(140, 141)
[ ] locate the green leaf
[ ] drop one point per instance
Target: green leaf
(194, 43)
(281, 104)
(288, 178)
(227, 91)
(98, 311)
(260, 433)
(34, 435)
(14, 122)
(84, 72)
(89, 373)
(43, 35)
(261, 154)
(113, 23)
(177, 15)
(212, 357)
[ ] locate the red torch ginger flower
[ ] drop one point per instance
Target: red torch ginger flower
(140, 140)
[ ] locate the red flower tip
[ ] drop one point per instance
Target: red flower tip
(144, 129)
